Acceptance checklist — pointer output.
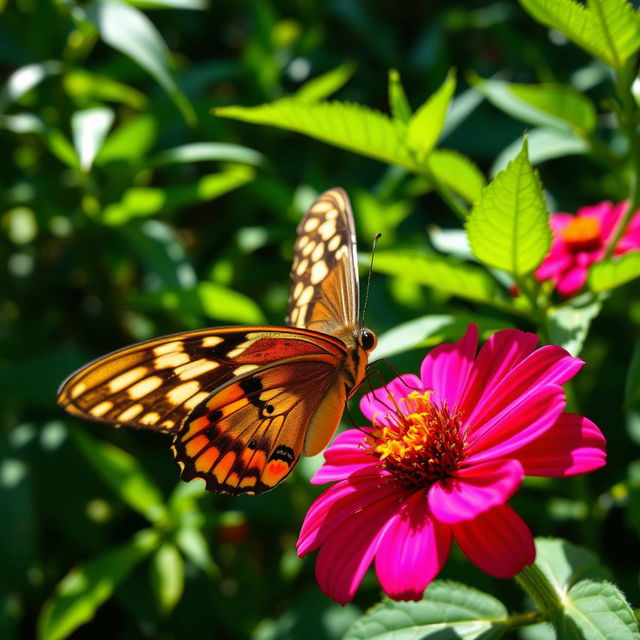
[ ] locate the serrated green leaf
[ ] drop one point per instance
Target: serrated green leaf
(85, 588)
(457, 172)
(89, 128)
(122, 472)
(129, 31)
(545, 105)
(443, 273)
(608, 29)
(327, 84)
(615, 272)
(400, 108)
(167, 577)
(346, 125)
(569, 325)
(427, 122)
(509, 226)
(447, 610)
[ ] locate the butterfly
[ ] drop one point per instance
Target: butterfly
(242, 404)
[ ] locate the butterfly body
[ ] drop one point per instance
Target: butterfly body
(243, 403)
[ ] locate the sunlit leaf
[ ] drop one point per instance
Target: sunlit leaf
(457, 172)
(608, 29)
(509, 226)
(569, 325)
(208, 151)
(425, 126)
(130, 141)
(614, 272)
(128, 30)
(327, 84)
(89, 128)
(447, 610)
(85, 86)
(26, 78)
(167, 577)
(222, 303)
(88, 586)
(192, 543)
(400, 108)
(123, 473)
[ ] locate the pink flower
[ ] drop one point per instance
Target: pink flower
(581, 240)
(444, 454)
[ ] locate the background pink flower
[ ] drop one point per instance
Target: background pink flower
(444, 454)
(580, 240)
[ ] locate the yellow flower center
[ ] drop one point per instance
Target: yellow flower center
(418, 442)
(582, 234)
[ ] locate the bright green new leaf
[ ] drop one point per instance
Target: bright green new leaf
(349, 126)
(24, 79)
(569, 325)
(84, 589)
(447, 610)
(545, 105)
(327, 84)
(614, 272)
(89, 128)
(509, 226)
(130, 142)
(128, 30)
(632, 382)
(167, 577)
(208, 151)
(400, 107)
(426, 125)
(222, 303)
(608, 29)
(444, 273)
(122, 472)
(457, 172)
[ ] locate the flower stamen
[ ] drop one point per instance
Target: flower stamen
(582, 234)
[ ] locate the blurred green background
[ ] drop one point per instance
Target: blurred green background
(129, 211)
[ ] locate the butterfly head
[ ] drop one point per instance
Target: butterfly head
(367, 339)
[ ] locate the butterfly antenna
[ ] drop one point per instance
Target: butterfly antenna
(366, 296)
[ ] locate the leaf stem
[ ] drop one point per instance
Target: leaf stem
(445, 193)
(540, 590)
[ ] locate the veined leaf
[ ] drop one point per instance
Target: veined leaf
(608, 29)
(327, 84)
(128, 30)
(509, 226)
(85, 588)
(444, 273)
(426, 124)
(349, 126)
(400, 107)
(615, 272)
(447, 610)
(457, 172)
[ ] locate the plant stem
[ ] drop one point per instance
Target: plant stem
(540, 590)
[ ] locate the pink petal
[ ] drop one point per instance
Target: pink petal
(573, 445)
(559, 221)
(607, 213)
(343, 457)
(557, 261)
(474, 490)
(498, 356)
(571, 281)
(447, 366)
(412, 550)
(338, 504)
(377, 403)
(346, 555)
(498, 541)
(520, 423)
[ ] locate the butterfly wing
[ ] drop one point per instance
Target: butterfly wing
(324, 275)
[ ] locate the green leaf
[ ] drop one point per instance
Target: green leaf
(88, 87)
(24, 79)
(608, 29)
(400, 107)
(122, 472)
(169, 4)
(208, 151)
(426, 125)
(509, 226)
(545, 105)
(129, 31)
(88, 586)
(569, 325)
(443, 273)
(326, 84)
(632, 382)
(167, 577)
(447, 610)
(89, 128)
(194, 546)
(349, 126)
(457, 172)
(221, 303)
(614, 272)
(130, 142)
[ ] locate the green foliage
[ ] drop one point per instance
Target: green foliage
(615, 272)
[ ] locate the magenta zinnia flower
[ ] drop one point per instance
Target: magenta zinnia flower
(444, 454)
(581, 240)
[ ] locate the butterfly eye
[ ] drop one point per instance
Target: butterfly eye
(368, 340)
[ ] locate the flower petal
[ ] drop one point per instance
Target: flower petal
(346, 555)
(343, 457)
(447, 366)
(573, 445)
(377, 403)
(474, 490)
(572, 280)
(498, 541)
(412, 550)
